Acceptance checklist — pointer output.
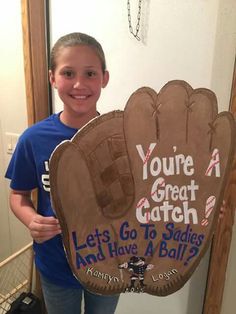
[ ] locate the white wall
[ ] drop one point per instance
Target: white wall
(13, 116)
(190, 40)
(178, 42)
(224, 52)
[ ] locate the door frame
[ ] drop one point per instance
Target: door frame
(35, 23)
(35, 47)
(223, 235)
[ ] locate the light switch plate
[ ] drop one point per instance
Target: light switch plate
(11, 141)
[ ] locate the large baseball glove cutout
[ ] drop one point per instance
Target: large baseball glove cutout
(138, 192)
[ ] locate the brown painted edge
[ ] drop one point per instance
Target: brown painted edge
(34, 27)
(35, 59)
(223, 236)
(27, 62)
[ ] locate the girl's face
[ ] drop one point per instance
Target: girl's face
(78, 78)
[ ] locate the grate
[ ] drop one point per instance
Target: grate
(15, 276)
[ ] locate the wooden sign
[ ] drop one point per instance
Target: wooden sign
(138, 192)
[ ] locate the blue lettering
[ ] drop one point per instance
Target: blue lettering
(74, 237)
(169, 227)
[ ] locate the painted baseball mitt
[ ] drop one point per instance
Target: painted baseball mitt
(138, 192)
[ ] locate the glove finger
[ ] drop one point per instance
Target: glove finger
(141, 129)
(188, 133)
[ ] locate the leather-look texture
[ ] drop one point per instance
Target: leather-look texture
(138, 192)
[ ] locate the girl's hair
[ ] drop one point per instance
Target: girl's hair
(76, 39)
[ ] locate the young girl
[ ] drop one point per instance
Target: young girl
(78, 72)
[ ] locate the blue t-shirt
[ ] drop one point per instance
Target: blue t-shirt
(28, 169)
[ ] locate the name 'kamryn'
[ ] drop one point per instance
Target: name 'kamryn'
(100, 275)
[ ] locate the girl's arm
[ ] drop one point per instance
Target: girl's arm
(41, 228)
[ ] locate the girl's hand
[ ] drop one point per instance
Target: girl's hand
(44, 228)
